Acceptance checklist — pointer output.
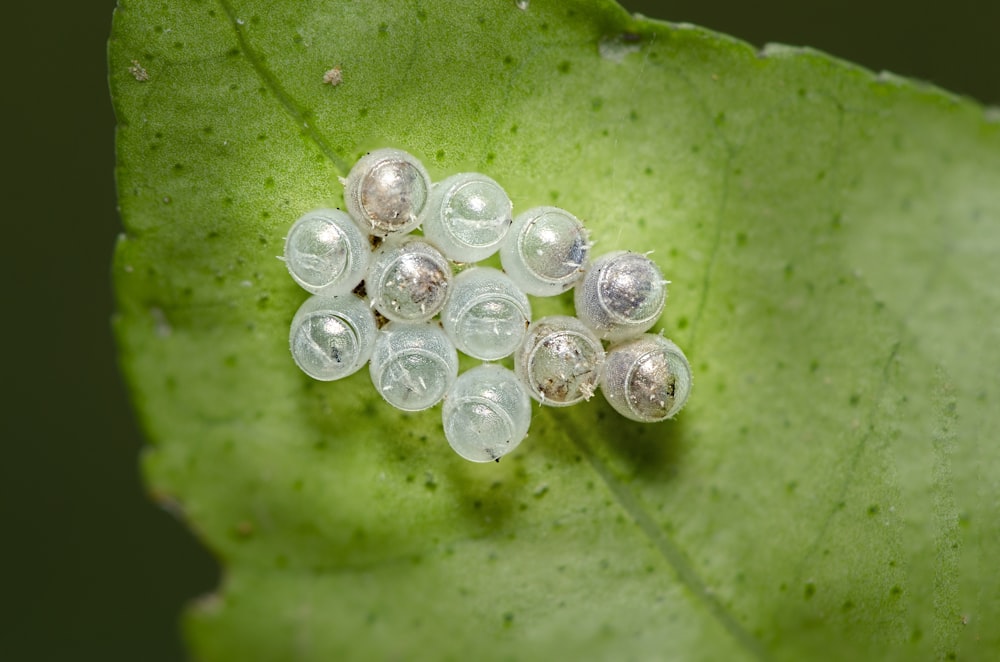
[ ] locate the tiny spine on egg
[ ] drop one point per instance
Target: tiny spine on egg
(647, 379)
(621, 295)
(560, 361)
(413, 365)
(326, 252)
(486, 314)
(546, 251)
(386, 191)
(467, 216)
(332, 337)
(408, 280)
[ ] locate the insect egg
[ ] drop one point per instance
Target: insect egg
(486, 314)
(646, 379)
(332, 337)
(386, 191)
(545, 251)
(621, 295)
(486, 413)
(413, 365)
(326, 252)
(408, 279)
(467, 216)
(560, 361)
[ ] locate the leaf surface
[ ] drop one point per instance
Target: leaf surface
(833, 241)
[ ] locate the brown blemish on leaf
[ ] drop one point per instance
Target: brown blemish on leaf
(333, 77)
(138, 71)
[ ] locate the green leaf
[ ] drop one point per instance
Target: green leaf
(833, 241)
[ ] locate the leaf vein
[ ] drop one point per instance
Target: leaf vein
(294, 110)
(667, 549)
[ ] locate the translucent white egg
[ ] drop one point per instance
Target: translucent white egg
(646, 379)
(408, 280)
(560, 361)
(386, 191)
(486, 414)
(332, 337)
(413, 365)
(486, 315)
(467, 216)
(326, 252)
(621, 295)
(545, 251)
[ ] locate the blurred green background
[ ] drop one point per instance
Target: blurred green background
(91, 569)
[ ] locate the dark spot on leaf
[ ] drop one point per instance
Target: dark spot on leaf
(682, 322)
(269, 182)
(741, 238)
(789, 271)
(439, 155)
(297, 38)
(854, 399)
(383, 29)
(363, 112)
(896, 591)
(873, 510)
(633, 115)
(791, 486)
(490, 157)
(513, 128)
(508, 60)
(255, 20)
(563, 67)
(720, 119)
(508, 619)
(233, 52)
(836, 221)
(648, 170)
(847, 606)
(179, 45)
(809, 591)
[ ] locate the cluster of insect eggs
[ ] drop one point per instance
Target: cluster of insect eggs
(484, 312)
